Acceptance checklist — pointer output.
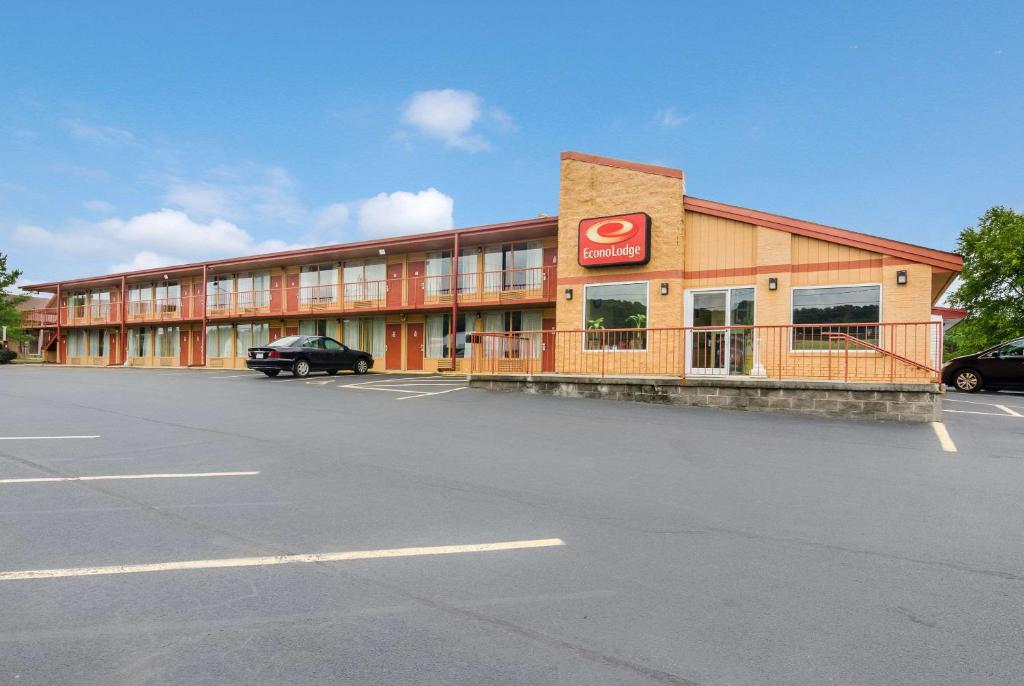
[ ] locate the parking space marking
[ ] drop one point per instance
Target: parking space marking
(119, 477)
(41, 438)
(990, 414)
(278, 559)
(943, 435)
(423, 395)
(1007, 410)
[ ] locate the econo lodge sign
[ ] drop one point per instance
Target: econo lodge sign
(622, 239)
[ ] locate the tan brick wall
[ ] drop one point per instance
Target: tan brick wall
(594, 190)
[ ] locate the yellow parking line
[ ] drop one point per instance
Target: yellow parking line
(278, 559)
(943, 435)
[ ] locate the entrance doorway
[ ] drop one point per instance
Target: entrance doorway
(414, 347)
(393, 346)
(721, 341)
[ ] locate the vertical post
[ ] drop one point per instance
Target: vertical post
(57, 352)
(202, 330)
(122, 343)
(455, 297)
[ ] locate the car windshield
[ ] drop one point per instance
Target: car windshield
(286, 342)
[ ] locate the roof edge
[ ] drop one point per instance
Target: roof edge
(834, 234)
(670, 172)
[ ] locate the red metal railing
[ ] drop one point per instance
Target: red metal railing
(894, 352)
(532, 285)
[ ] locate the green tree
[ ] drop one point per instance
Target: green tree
(992, 287)
(9, 314)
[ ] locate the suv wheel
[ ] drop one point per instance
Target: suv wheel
(968, 381)
(361, 366)
(301, 368)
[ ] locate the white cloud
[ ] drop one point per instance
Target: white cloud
(158, 238)
(97, 133)
(403, 212)
(669, 118)
(145, 259)
(244, 192)
(332, 217)
(450, 115)
(101, 206)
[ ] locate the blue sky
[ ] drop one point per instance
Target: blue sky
(136, 133)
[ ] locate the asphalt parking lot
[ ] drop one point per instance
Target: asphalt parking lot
(408, 530)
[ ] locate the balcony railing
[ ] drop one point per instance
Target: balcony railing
(906, 352)
(534, 284)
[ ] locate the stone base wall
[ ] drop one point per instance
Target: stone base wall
(892, 402)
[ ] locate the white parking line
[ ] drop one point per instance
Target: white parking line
(990, 414)
(115, 477)
(1008, 411)
(423, 395)
(943, 435)
(278, 559)
(40, 438)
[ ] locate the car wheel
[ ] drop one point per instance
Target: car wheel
(271, 372)
(332, 372)
(361, 366)
(301, 368)
(968, 381)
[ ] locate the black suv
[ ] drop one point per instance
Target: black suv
(999, 367)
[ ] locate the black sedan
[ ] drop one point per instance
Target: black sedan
(301, 355)
(999, 367)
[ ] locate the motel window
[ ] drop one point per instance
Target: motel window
(824, 317)
(77, 343)
(438, 273)
(138, 342)
(313, 327)
(317, 283)
(166, 341)
(513, 266)
(516, 343)
(218, 340)
(253, 290)
(610, 311)
(168, 296)
(365, 334)
(439, 334)
(97, 338)
(253, 335)
(218, 292)
(100, 304)
(365, 279)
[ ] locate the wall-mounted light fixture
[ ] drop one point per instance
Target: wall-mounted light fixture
(568, 294)
(382, 251)
(664, 288)
(478, 315)
(402, 316)
(901, 277)
(773, 283)
(166, 277)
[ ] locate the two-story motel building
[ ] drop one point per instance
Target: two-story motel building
(632, 276)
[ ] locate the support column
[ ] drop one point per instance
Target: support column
(455, 298)
(57, 352)
(202, 331)
(123, 342)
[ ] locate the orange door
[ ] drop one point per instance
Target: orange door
(292, 295)
(416, 283)
(275, 296)
(414, 347)
(186, 301)
(274, 333)
(547, 360)
(291, 331)
(395, 285)
(393, 346)
(197, 348)
(112, 349)
(183, 349)
(550, 273)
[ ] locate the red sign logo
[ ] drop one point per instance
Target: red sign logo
(622, 239)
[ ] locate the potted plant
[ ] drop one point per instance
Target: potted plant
(594, 339)
(637, 340)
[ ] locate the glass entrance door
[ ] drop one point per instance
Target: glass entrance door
(721, 341)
